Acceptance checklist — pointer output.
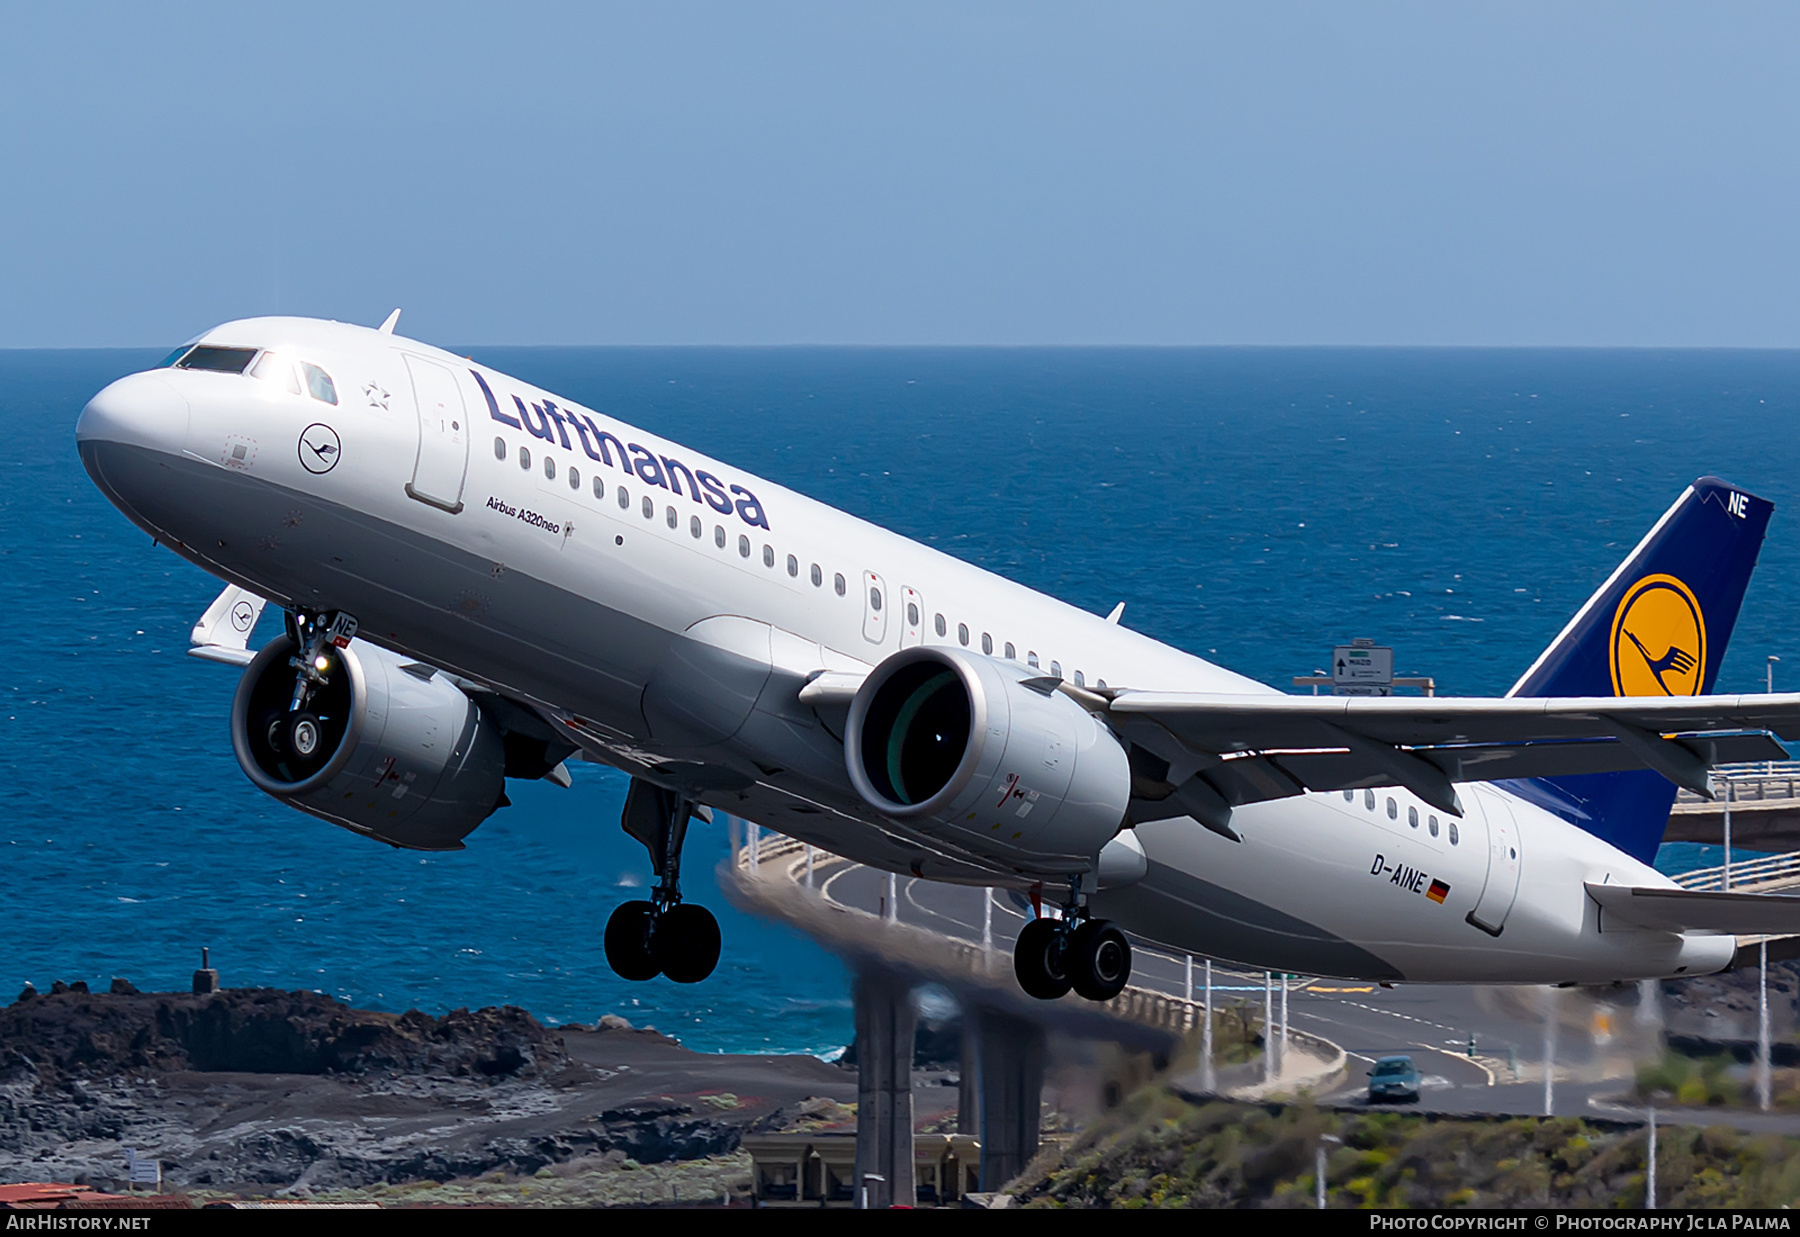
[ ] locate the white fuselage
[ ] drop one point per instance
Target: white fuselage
(668, 632)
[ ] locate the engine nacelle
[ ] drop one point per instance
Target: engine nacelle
(387, 748)
(956, 744)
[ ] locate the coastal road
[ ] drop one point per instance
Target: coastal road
(1431, 1023)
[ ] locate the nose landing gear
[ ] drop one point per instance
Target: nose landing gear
(662, 936)
(1088, 955)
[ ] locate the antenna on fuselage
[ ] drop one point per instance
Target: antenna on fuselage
(387, 328)
(1116, 611)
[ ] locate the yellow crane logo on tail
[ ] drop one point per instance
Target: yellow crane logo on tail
(1658, 640)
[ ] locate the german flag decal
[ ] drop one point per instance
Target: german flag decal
(1438, 892)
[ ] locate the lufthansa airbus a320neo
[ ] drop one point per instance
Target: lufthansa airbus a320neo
(482, 580)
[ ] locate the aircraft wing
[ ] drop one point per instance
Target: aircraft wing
(1246, 748)
(1687, 910)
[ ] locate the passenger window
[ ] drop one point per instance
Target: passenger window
(695, 527)
(912, 615)
(1011, 654)
(874, 599)
(1431, 824)
(499, 448)
(941, 629)
(624, 499)
(743, 546)
(1412, 817)
(1349, 795)
(1080, 680)
(818, 577)
(719, 536)
(278, 370)
(1393, 810)
(962, 634)
(318, 383)
(1031, 659)
(525, 458)
(1100, 683)
(1454, 838)
(837, 582)
(1056, 668)
(768, 556)
(1368, 801)
(793, 567)
(599, 488)
(673, 519)
(648, 506)
(549, 468)
(987, 644)
(574, 478)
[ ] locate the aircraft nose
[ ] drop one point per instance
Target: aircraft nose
(139, 410)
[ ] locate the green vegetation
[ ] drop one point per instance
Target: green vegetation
(1237, 1033)
(1160, 1150)
(1698, 1082)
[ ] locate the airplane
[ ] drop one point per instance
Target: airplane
(482, 580)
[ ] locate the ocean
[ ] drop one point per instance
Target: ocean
(1254, 506)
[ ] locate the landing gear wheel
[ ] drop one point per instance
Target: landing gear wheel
(1039, 960)
(1098, 960)
(687, 943)
(272, 725)
(304, 735)
(630, 936)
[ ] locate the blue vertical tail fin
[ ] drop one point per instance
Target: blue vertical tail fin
(1657, 627)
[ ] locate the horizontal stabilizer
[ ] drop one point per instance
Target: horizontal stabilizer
(1688, 910)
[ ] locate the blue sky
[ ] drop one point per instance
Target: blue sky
(964, 173)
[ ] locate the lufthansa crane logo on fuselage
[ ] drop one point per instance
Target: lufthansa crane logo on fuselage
(319, 448)
(1658, 640)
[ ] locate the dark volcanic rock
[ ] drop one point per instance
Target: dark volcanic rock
(264, 1031)
(1722, 1007)
(294, 1091)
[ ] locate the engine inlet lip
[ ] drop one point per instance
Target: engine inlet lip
(970, 677)
(279, 650)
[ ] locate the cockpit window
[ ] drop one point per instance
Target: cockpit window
(169, 361)
(278, 370)
(318, 383)
(219, 360)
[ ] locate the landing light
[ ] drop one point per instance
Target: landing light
(320, 662)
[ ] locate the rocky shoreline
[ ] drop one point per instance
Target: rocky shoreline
(266, 1091)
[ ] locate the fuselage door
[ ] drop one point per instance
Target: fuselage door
(875, 607)
(912, 616)
(1502, 887)
(443, 459)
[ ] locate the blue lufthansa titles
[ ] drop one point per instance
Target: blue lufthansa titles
(551, 423)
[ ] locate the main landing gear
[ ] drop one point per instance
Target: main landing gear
(664, 936)
(1089, 955)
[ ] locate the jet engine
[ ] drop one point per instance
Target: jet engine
(989, 756)
(386, 747)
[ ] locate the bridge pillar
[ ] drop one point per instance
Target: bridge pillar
(885, 1022)
(1010, 1062)
(968, 1085)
